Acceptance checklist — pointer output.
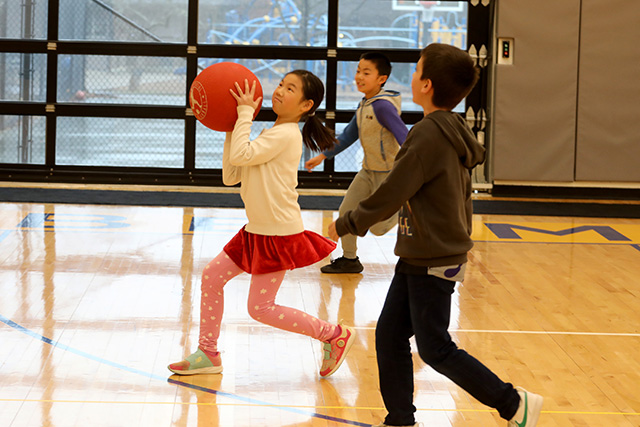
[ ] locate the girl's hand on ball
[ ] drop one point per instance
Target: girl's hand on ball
(246, 97)
(217, 91)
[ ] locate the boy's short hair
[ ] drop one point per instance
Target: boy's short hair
(451, 71)
(380, 60)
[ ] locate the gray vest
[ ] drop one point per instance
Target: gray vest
(378, 143)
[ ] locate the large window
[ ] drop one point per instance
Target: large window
(116, 79)
(23, 19)
(98, 89)
(402, 24)
(22, 139)
(23, 77)
(123, 20)
(399, 80)
(111, 141)
(271, 71)
(263, 22)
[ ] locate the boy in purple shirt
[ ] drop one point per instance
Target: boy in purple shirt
(381, 131)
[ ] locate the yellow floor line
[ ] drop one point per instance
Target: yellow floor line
(357, 408)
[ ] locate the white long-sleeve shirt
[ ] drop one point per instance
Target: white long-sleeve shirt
(267, 168)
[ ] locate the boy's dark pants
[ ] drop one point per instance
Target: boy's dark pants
(420, 305)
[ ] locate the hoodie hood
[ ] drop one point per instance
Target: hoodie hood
(390, 95)
(460, 136)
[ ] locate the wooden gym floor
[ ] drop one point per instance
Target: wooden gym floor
(95, 301)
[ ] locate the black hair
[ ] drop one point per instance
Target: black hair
(451, 71)
(381, 62)
(315, 135)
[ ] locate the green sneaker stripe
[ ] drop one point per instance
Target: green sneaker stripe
(526, 411)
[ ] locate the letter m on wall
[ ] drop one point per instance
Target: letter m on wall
(510, 231)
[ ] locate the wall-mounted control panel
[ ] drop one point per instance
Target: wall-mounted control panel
(505, 50)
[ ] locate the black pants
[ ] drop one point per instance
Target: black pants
(420, 305)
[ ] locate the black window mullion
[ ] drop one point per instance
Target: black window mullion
(52, 82)
(190, 120)
(192, 71)
(332, 73)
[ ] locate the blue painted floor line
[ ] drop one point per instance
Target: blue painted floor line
(248, 400)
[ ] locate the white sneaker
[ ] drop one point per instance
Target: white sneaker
(529, 410)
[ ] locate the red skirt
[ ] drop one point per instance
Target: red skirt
(258, 254)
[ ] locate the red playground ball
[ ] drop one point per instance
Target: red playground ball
(209, 96)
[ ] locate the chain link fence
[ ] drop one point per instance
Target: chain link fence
(98, 141)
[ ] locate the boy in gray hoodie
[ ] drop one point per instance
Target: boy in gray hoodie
(431, 185)
(381, 131)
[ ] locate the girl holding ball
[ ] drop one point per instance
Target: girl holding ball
(274, 239)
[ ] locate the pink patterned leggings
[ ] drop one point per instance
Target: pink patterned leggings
(261, 304)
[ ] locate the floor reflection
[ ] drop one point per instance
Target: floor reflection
(95, 301)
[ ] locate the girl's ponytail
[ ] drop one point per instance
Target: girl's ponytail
(315, 135)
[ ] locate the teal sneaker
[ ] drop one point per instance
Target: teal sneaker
(196, 364)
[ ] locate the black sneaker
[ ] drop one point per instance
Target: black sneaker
(343, 265)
